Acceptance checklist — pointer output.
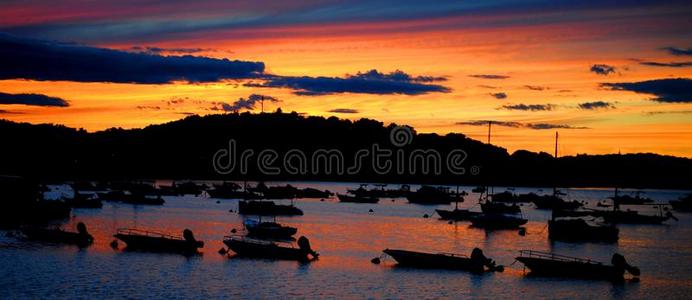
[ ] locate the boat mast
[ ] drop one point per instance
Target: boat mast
(555, 186)
(487, 188)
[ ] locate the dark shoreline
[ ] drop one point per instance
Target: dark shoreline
(186, 148)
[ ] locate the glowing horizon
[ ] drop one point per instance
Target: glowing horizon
(540, 56)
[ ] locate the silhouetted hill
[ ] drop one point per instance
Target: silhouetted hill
(185, 149)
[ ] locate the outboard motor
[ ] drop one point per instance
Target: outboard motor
(479, 260)
(620, 263)
(190, 238)
(82, 232)
(304, 244)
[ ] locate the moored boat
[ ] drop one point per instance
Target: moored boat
(248, 247)
(553, 202)
(357, 199)
(456, 214)
(497, 221)
(477, 263)
(433, 195)
(491, 207)
(81, 238)
(549, 264)
(269, 229)
(83, 201)
(562, 229)
(267, 208)
(137, 239)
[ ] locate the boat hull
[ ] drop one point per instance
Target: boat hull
(492, 221)
(58, 236)
(578, 230)
(357, 199)
(265, 250)
(158, 244)
(546, 267)
(456, 215)
(433, 261)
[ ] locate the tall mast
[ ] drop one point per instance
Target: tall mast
(555, 144)
(490, 123)
(555, 187)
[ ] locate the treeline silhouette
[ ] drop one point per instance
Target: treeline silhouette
(184, 149)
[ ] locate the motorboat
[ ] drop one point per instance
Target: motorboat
(477, 263)
(250, 247)
(137, 239)
(550, 264)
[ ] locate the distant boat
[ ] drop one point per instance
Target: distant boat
(507, 197)
(83, 201)
(497, 221)
(248, 247)
(682, 204)
(267, 208)
(562, 229)
(313, 193)
(492, 207)
(130, 198)
(381, 192)
(477, 263)
(549, 264)
(456, 214)
(81, 238)
(357, 199)
(552, 202)
(137, 239)
(629, 200)
(633, 217)
(433, 195)
(269, 229)
(140, 199)
(479, 189)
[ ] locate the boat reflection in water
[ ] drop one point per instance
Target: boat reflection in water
(477, 263)
(249, 247)
(143, 240)
(549, 264)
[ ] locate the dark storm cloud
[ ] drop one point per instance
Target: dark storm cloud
(42, 60)
(528, 107)
(678, 51)
(665, 90)
(32, 99)
(536, 126)
(344, 111)
(669, 64)
(243, 103)
(499, 95)
(602, 69)
(371, 82)
(489, 76)
(595, 105)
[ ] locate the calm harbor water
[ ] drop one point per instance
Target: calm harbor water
(347, 236)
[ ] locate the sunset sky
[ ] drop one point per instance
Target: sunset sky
(608, 75)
